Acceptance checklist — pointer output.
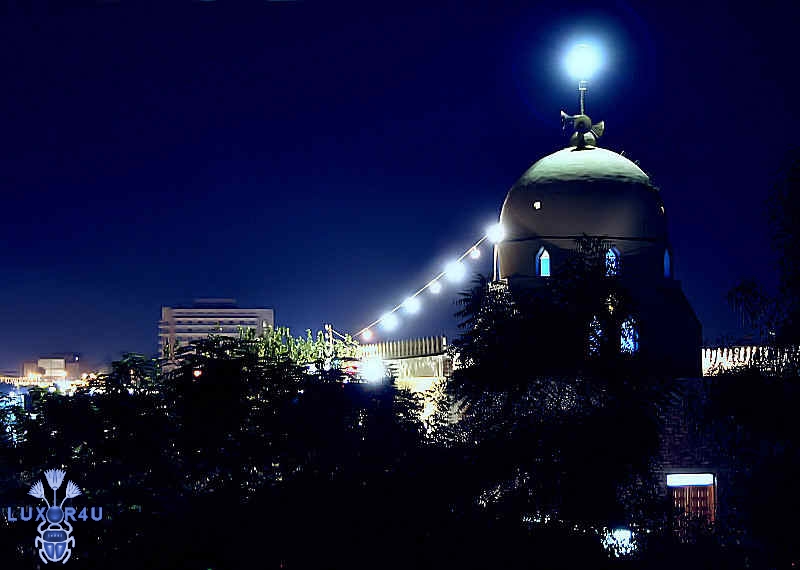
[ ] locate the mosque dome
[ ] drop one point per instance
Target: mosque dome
(584, 191)
(587, 191)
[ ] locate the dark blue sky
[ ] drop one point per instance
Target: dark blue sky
(326, 158)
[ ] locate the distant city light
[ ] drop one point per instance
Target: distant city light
(435, 287)
(475, 253)
(496, 233)
(390, 321)
(455, 271)
(619, 542)
(197, 373)
(582, 61)
(537, 205)
(689, 479)
(366, 335)
(412, 305)
(373, 370)
(621, 534)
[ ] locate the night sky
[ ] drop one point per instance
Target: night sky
(326, 158)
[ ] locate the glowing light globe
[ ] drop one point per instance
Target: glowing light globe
(389, 321)
(366, 335)
(435, 287)
(496, 233)
(582, 61)
(475, 253)
(412, 305)
(455, 271)
(373, 370)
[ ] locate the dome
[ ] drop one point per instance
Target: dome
(582, 191)
(588, 164)
(590, 191)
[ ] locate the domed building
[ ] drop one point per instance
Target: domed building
(585, 190)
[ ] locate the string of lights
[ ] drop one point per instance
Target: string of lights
(454, 271)
(581, 62)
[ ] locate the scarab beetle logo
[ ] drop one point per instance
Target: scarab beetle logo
(55, 540)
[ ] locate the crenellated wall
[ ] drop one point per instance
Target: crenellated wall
(406, 348)
(413, 360)
(719, 359)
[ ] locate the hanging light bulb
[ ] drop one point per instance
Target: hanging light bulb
(496, 233)
(455, 271)
(412, 305)
(390, 321)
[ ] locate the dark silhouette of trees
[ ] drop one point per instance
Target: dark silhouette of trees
(752, 416)
(776, 317)
(565, 425)
(784, 211)
(751, 411)
(233, 456)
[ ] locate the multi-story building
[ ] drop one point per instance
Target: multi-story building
(55, 367)
(181, 325)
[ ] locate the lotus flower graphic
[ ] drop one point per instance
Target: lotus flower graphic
(54, 542)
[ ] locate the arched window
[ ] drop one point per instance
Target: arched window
(595, 339)
(629, 336)
(667, 264)
(612, 261)
(543, 263)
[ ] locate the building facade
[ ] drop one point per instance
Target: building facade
(179, 326)
(67, 367)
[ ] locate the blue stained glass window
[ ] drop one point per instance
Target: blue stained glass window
(612, 261)
(629, 336)
(543, 263)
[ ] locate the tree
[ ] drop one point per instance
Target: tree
(752, 418)
(512, 336)
(784, 211)
(133, 372)
(565, 427)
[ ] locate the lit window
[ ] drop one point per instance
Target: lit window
(537, 205)
(543, 263)
(612, 261)
(629, 336)
(667, 264)
(694, 496)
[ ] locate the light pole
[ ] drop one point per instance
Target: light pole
(582, 62)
